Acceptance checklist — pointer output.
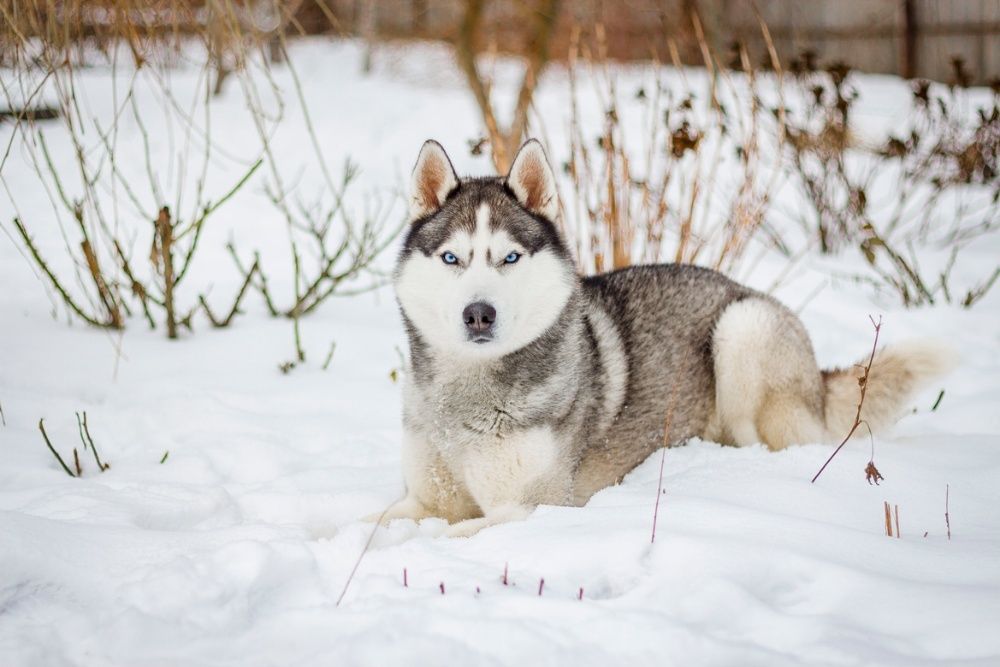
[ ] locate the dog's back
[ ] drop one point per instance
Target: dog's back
(664, 315)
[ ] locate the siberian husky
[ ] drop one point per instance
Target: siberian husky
(529, 384)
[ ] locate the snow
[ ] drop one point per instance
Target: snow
(236, 549)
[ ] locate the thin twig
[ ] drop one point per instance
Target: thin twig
(864, 388)
(199, 224)
(235, 309)
(663, 456)
(85, 431)
(947, 519)
(357, 563)
(111, 306)
(67, 299)
(41, 427)
(329, 356)
(137, 288)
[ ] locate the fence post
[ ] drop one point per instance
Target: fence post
(908, 52)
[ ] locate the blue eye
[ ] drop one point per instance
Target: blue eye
(512, 257)
(449, 258)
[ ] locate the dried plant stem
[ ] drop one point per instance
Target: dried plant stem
(864, 388)
(888, 518)
(663, 457)
(329, 356)
(136, 286)
(300, 354)
(235, 308)
(947, 518)
(465, 50)
(542, 22)
(88, 441)
(111, 306)
(165, 239)
(48, 443)
(209, 209)
(67, 299)
(357, 563)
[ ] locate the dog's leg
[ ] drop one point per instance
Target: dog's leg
(509, 476)
(738, 384)
(431, 488)
(786, 420)
(767, 384)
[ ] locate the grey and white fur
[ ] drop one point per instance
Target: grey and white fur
(530, 385)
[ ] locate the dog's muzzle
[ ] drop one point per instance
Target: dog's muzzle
(479, 318)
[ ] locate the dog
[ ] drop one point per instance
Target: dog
(528, 384)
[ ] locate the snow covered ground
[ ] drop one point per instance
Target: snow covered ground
(236, 549)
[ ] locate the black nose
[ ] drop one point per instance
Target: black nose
(479, 318)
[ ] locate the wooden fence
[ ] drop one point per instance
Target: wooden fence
(911, 38)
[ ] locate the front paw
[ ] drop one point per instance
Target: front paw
(407, 508)
(467, 528)
(496, 515)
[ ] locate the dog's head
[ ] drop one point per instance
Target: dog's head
(483, 271)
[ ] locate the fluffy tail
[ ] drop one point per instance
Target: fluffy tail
(897, 372)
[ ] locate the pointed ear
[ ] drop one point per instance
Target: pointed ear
(533, 182)
(432, 180)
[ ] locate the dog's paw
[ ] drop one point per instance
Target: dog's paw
(407, 508)
(467, 528)
(497, 515)
(377, 517)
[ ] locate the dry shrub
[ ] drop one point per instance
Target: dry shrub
(136, 228)
(133, 236)
(702, 187)
(932, 186)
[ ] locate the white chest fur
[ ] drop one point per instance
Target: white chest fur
(512, 470)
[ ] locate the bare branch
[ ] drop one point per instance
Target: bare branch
(48, 443)
(863, 382)
(67, 299)
(235, 309)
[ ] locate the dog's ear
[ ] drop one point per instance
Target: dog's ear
(533, 182)
(432, 181)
